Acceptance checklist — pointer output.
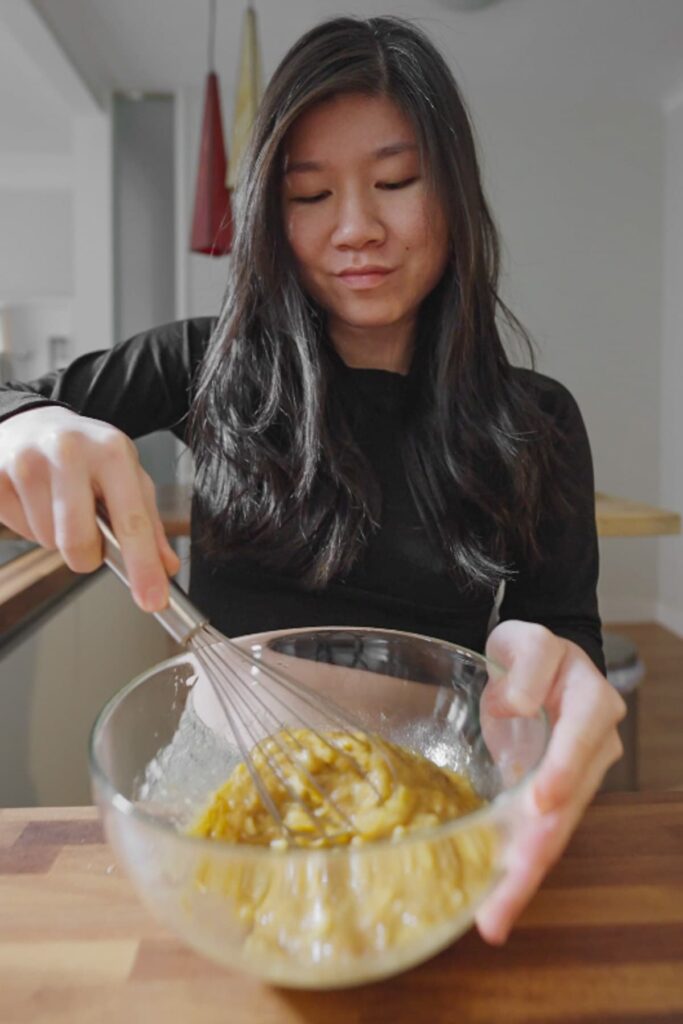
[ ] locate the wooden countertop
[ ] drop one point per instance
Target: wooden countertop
(29, 585)
(601, 942)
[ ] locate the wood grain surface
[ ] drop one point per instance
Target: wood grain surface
(28, 585)
(601, 942)
(617, 517)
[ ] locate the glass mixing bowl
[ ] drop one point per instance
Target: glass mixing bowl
(302, 917)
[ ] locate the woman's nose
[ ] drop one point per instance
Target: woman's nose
(357, 224)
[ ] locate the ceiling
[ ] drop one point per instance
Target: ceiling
(564, 51)
(568, 45)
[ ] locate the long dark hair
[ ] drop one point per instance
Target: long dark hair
(279, 477)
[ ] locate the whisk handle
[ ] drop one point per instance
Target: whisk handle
(180, 618)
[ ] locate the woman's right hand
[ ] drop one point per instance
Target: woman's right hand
(54, 466)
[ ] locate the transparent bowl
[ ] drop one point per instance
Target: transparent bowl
(301, 917)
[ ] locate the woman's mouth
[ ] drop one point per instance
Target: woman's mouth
(364, 277)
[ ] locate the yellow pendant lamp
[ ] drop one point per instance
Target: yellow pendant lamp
(248, 95)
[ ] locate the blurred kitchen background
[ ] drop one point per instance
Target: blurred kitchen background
(579, 111)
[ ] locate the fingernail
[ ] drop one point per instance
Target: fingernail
(496, 936)
(521, 701)
(155, 599)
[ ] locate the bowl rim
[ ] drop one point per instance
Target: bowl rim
(488, 813)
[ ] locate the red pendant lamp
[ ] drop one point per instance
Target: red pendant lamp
(212, 219)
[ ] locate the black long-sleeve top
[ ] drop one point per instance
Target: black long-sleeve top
(146, 384)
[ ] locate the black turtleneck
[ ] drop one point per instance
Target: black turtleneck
(400, 582)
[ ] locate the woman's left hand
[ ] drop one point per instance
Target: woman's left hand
(543, 670)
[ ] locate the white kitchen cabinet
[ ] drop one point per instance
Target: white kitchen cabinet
(54, 680)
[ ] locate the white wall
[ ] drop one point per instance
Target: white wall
(144, 222)
(36, 243)
(577, 193)
(26, 332)
(55, 181)
(670, 607)
(93, 241)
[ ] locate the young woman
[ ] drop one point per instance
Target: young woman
(364, 451)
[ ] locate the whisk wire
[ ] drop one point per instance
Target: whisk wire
(237, 687)
(309, 697)
(261, 788)
(191, 629)
(239, 691)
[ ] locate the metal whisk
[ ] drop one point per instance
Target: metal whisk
(246, 712)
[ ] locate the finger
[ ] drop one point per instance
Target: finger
(538, 844)
(168, 556)
(121, 490)
(30, 479)
(588, 713)
(76, 532)
(531, 657)
(536, 848)
(12, 513)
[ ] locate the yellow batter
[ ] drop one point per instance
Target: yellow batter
(330, 909)
(334, 788)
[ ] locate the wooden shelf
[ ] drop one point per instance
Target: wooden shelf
(617, 517)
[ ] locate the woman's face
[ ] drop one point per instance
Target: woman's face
(367, 233)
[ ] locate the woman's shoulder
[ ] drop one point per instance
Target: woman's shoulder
(550, 395)
(176, 343)
(196, 331)
(192, 333)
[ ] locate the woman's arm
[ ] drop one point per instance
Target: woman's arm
(140, 385)
(65, 444)
(554, 661)
(547, 671)
(561, 592)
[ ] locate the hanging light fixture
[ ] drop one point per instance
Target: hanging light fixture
(248, 95)
(212, 219)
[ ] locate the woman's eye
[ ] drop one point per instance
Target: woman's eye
(392, 185)
(310, 199)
